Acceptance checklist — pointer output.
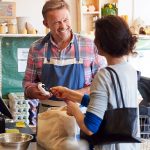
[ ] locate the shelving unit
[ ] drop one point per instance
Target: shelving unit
(87, 17)
(88, 12)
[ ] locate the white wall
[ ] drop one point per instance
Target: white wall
(125, 7)
(135, 9)
(142, 10)
(33, 10)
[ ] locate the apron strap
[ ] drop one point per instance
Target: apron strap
(49, 51)
(76, 49)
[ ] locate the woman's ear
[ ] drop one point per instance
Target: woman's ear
(45, 23)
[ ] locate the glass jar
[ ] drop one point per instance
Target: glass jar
(12, 28)
(3, 28)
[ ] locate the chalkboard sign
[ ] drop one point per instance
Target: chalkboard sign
(11, 77)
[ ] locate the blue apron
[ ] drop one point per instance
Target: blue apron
(71, 75)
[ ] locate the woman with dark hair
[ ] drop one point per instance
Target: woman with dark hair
(114, 41)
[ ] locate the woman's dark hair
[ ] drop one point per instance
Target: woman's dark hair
(113, 36)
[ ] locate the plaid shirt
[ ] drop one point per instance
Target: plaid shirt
(38, 51)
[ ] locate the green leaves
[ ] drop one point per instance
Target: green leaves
(109, 9)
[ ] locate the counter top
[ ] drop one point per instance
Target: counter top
(143, 36)
(34, 146)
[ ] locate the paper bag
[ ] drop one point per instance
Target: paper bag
(54, 128)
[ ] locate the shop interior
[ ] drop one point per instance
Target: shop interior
(21, 23)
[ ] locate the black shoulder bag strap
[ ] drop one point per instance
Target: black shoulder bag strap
(114, 84)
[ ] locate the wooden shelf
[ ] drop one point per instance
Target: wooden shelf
(86, 19)
(91, 13)
(22, 35)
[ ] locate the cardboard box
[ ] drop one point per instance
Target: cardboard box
(7, 10)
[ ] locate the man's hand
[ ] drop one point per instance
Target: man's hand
(33, 92)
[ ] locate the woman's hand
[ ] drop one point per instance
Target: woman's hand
(66, 94)
(72, 108)
(60, 92)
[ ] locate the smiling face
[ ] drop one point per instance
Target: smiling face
(58, 21)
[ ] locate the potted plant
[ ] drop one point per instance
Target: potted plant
(109, 9)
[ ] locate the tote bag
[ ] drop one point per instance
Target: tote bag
(119, 125)
(56, 130)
